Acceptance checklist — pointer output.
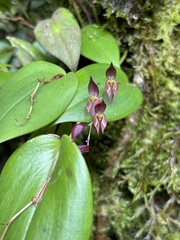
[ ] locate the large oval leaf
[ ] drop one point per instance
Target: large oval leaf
(65, 210)
(127, 100)
(99, 45)
(26, 52)
(61, 36)
(49, 102)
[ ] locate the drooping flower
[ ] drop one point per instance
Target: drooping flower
(93, 100)
(77, 129)
(111, 85)
(99, 119)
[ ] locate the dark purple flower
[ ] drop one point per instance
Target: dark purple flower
(99, 119)
(111, 85)
(93, 100)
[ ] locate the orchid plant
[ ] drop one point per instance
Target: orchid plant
(47, 175)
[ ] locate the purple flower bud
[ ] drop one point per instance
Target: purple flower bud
(83, 148)
(111, 72)
(93, 88)
(93, 100)
(77, 129)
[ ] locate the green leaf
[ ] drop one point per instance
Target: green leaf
(4, 76)
(49, 102)
(65, 211)
(126, 101)
(26, 52)
(5, 5)
(3, 68)
(6, 52)
(61, 36)
(49, 57)
(64, 128)
(99, 45)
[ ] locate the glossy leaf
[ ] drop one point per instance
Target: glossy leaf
(99, 45)
(65, 210)
(50, 100)
(25, 51)
(126, 101)
(61, 36)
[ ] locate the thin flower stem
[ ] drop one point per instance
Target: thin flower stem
(85, 10)
(76, 9)
(18, 19)
(95, 13)
(124, 56)
(89, 134)
(21, 7)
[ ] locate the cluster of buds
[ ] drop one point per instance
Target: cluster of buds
(96, 106)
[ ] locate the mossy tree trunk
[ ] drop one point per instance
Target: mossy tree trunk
(136, 166)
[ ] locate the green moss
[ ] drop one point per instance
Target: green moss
(141, 179)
